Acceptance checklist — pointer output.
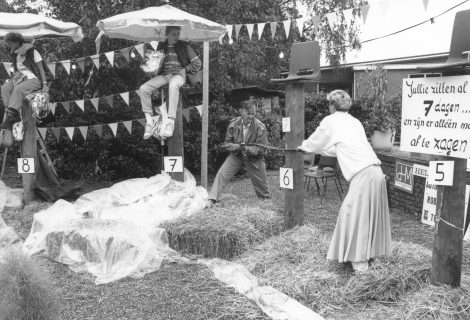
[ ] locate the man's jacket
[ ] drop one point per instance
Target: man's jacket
(30, 64)
(256, 133)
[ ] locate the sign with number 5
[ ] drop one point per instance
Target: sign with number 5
(286, 178)
(441, 173)
(25, 165)
(173, 164)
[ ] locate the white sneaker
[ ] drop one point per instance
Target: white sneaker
(169, 128)
(149, 127)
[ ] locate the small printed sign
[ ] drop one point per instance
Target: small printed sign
(286, 177)
(173, 164)
(441, 173)
(404, 176)
(428, 216)
(420, 170)
(286, 124)
(26, 165)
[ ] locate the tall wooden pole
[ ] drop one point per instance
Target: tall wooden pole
(29, 150)
(205, 115)
(295, 109)
(175, 142)
(448, 237)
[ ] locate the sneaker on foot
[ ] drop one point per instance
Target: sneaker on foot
(148, 130)
(169, 128)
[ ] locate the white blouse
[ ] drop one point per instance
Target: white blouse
(344, 135)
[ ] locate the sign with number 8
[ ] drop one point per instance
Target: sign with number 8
(25, 165)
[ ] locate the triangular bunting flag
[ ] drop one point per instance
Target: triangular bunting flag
(140, 49)
(7, 66)
(52, 106)
(95, 102)
(365, 12)
(332, 18)
(221, 38)
(141, 121)
(348, 16)
(425, 2)
(199, 109)
(383, 7)
(316, 22)
(260, 27)
(237, 30)
(287, 24)
(56, 132)
(125, 97)
(42, 132)
(128, 125)
(113, 127)
(229, 28)
(186, 114)
(70, 131)
(109, 100)
(250, 28)
(138, 93)
(110, 56)
(154, 45)
(125, 53)
(66, 64)
(98, 129)
(66, 105)
(81, 64)
(52, 68)
(300, 24)
(96, 60)
(81, 104)
(273, 29)
(83, 131)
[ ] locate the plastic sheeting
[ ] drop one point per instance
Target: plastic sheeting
(114, 232)
(274, 303)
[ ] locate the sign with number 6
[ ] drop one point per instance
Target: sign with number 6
(25, 165)
(441, 173)
(286, 178)
(173, 164)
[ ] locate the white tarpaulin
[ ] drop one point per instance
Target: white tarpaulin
(114, 232)
(149, 25)
(33, 26)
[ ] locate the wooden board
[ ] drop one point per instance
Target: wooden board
(29, 150)
(175, 143)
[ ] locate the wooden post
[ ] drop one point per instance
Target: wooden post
(175, 143)
(205, 115)
(448, 237)
(29, 150)
(295, 109)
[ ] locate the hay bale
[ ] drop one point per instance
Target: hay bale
(222, 232)
(295, 263)
(26, 291)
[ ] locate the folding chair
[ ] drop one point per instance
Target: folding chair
(304, 64)
(459, 44)
(324, 175)
(309, 159)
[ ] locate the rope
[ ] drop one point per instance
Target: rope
(268, 147)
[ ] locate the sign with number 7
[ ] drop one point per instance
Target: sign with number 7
(173, 164)
(441, 173)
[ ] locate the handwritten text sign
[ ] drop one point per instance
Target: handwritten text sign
(286, 124)
(25, 165)
(428, 216)
(286, 178)
(441, 173)
(404, 176)
(173, 164)
(436, 116)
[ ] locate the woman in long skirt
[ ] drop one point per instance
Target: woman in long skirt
(362, 231)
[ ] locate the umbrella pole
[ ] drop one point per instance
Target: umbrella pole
(205, 115)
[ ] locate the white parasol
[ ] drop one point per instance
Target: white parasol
(149, 25)
(33, 26)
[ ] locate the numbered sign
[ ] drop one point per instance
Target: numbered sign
(441, 173)
(173, 164)
(25, 165)
(286, 176)
(286, 124)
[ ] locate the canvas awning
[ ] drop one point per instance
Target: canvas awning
(33, 26)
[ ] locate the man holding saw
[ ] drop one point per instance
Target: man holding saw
(241, 133)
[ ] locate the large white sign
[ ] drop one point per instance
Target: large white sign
(436, 116)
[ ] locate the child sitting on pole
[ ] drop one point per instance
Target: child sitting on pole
(179, 60)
